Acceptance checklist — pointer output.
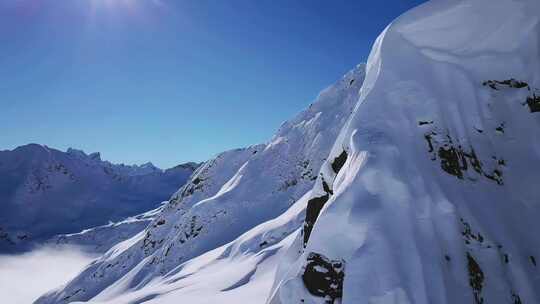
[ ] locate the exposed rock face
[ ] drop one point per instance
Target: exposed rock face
(323, 278)
(533, 96)
(316, 203)
(476, 278)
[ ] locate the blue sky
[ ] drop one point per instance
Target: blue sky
(170, 81)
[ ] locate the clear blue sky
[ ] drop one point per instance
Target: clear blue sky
(170, 81)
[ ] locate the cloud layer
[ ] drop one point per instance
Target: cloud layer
(25, 277)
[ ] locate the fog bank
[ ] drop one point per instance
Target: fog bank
(25, 277)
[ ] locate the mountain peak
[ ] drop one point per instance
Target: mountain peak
(95, 156)
(76, 152)
(148, 165)
(32, 147)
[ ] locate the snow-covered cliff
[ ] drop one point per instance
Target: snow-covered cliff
(431, 192)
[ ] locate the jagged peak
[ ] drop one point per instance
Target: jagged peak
(76, 152)
(189, 165)
(95, 156)
(148, 165)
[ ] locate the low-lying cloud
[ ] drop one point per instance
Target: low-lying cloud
(25, 277)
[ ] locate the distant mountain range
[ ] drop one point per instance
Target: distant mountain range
(44, 192)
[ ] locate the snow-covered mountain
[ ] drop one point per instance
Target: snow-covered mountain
(227, 196)
(44, 192)
(412, 183)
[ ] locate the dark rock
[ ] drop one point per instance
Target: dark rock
(429, 139)
(326, 188)
(534, 103)
(500, 128)
(339, 161)
(314, 207)
(323, 277)
(511, 83)
(423, 122)
(516, 299)
(476, 278)
(451, 161)
(456, 160)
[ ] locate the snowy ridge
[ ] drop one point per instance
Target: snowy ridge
(44, 192)
(225, 198)
(104, 237)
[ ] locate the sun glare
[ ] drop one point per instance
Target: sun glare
(112, 5)
(119, 9)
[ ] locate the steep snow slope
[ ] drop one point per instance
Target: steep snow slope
(44, 192)
(238, 195)
(431, 189)
(239, 272)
